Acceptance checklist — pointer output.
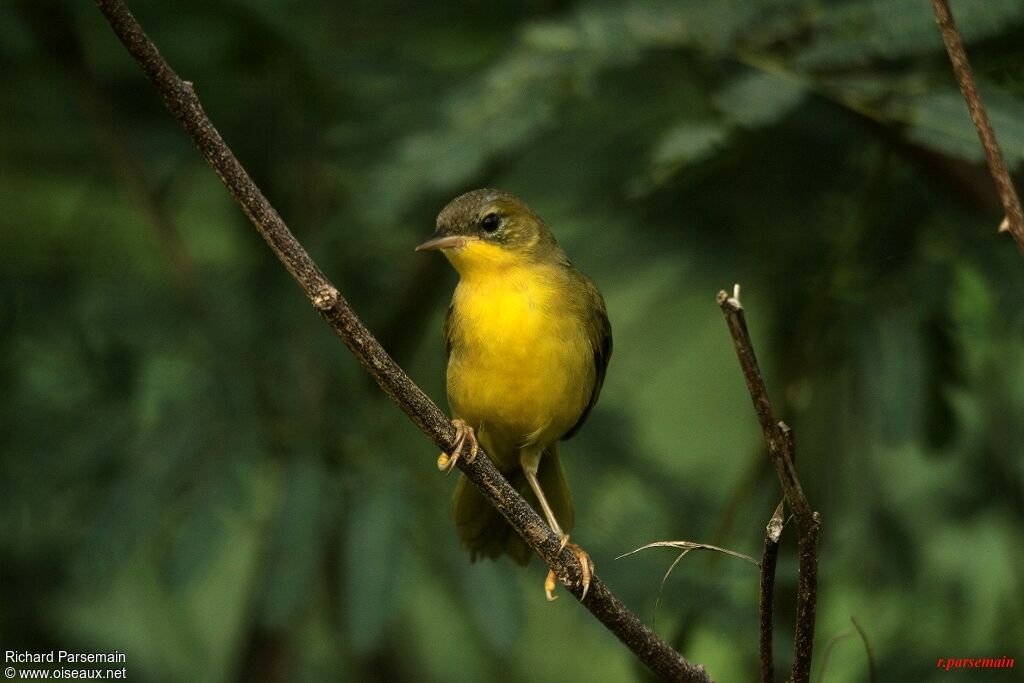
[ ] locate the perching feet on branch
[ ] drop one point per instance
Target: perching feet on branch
(586, 566)
(464, 434)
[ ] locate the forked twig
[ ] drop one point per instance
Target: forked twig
(687, 547)
(782, 449)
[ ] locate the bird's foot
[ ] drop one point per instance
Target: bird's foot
(464, 434)
(586, 567)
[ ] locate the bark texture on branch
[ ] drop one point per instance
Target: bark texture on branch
(181, 100)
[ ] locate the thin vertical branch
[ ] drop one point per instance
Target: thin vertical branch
(806, 600)
(809, 528)
(1014, 220)
(781, 448)
(777, 435)
(766, 601)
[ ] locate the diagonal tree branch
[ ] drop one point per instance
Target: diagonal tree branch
(1014, 221)
(782, 450)
(181, 100)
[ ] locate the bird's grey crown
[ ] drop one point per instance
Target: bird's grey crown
(464, 210)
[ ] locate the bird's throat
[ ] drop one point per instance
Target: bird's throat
(479, 260)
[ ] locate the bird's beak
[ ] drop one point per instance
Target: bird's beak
(439, 241)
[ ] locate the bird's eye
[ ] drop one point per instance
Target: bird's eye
(491, 222)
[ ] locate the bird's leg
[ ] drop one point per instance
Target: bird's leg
(530, 462)
(463, 434)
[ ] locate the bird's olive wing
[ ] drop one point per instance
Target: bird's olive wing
(599, 331)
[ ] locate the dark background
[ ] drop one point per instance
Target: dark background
(194, 471)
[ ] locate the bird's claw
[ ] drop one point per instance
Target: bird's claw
(586, 570)
(463, 434)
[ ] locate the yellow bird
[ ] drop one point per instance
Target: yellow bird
(528, 343)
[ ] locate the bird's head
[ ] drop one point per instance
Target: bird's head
(486, 229)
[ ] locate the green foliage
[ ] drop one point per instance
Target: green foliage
(194, 471)
(374, 554)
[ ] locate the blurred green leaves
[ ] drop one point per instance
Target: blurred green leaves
(376, 555)
(297, 540)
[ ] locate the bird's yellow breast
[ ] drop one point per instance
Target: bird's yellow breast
(521, 366)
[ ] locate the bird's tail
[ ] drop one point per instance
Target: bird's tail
(482, 529)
